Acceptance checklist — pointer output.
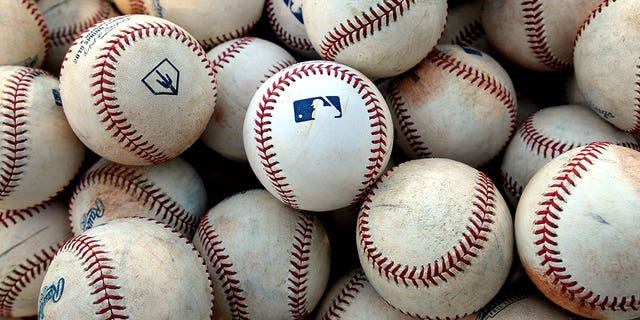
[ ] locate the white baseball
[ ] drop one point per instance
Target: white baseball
(464, 26)
(317, 135)
(137, 89)
(353, 297)
(549, 133)
(268, 261)
(520, 305)
(131, 268)
(239, 76)
(29, 238)
(576, 230)
(66, 20)
(24, 38)
(39, 154)
(372, 35)
(287, 22)
(435, 238)
(606, 63)
(130, 6)
(535, 34)
(211, 22)
(171, 192)
(458, 103)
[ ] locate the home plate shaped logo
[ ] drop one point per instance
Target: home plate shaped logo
(163, 79)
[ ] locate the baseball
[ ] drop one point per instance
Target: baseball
(24, 38)
(286, 21)
(66, 20)
(171, 192)
(132, 268)
(137, 89)
(40, 154)
(606, 63)
(239, 76)
(576, 230)
(434, 238)
(371, 35)
(353, 297)
(464, 26)
(549, 133)
(268, 261)
(130, 6)
(535, 34)
(458, 103)
(29, 238)
(317, 135)
(521, 306)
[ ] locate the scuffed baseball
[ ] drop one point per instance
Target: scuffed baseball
(548, 133)
(535, 34)
(66, 20)
(137, 89)
(317, 135)
(287, 22)
(171, 192)
(24, 38)
(29, 238)
(130, 6)
(576, 229)
(372, 35)
(464, 26)
(606, 63)
(458, 103)
(435, 238)
(38, 150)
(521, 305)
(269, 261)
(131, 268)
(239, 76)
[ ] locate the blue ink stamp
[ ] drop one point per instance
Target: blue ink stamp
(472, 51)
(317, 107)
(163, 79)
(56, 97)
(89, 217)
(51, 293)
(295, 6)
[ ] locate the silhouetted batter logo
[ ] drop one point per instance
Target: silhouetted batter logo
(316, 108)
(163, 79)
(295, 6)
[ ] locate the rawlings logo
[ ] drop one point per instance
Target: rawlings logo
(89, 217)
(50, 293)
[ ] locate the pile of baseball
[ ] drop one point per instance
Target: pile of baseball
(319, 159)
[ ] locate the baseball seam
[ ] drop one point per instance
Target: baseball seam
(533, 13)
(13, 217)
(348, 32)
(143, 190)
(215, 251)
(422, 317)
(276, 67)
(44, 31)
(469, 34)
(480, 79)
(446, 267)
(536, 142)
(547, 222)
(18, 278)
(407, 128)
(66, 34)
(211, 42)
(510, 185)
(262, 128)
(591, 17)
(636, 126)
(225, 57)
(103, 80)
(346, 295)
(299, 265)
(137, 7)
(294, 42)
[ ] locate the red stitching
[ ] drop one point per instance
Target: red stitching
(636, 127)
(540, 144)
(276, 67)
(67, 34)
(547, 222)
(15, 100)
(13, 217)
(511, 185)
(211, 42)
(21, 276)
(477, 78)
(537, 37)
(471, 33)
(591, 16)
(44, 31)
(406, 125)
(298, 271)
(137, 7)
(222, 267)
(263, 136)
(440, 270)
(346, 295)
(382, 14)
(93, 257)
(225, 56)
(293, 41)
(137, 185)
(422, 317)
(103, 79)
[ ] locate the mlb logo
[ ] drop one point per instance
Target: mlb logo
(295, 6)
(312, 108)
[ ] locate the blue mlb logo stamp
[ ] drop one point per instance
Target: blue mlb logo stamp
(317, 107)
(295, 6)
